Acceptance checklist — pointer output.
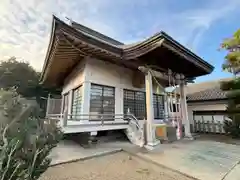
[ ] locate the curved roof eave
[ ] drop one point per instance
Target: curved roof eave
(157, 38)
(148, 45)
(199, 59)
(52, 35)
(57, 24)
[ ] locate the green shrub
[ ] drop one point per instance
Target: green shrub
(26, 140)
(232, 129)
(232, 89)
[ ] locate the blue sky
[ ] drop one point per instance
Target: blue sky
(199, 25)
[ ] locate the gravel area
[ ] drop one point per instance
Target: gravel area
(118, 166)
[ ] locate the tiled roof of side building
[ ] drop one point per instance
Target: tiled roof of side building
(206, 91)
(214, 93)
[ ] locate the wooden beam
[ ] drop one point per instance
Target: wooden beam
(154, 73)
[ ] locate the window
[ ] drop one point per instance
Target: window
(158, 105)
(102, 101)
(135, 102)
(77, 103)
(65, 102)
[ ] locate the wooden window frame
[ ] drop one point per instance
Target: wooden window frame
(80, 87)
(136, 113)
(102, 99)
(136, 106)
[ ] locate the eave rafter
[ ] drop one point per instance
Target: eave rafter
(88, 49)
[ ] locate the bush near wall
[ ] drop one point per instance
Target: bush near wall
(233, 109)
(26, 140)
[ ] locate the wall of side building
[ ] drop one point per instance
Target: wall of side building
(99, 72)
(205, 106)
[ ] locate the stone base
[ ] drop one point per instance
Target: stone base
(152, 145)
(188, 137)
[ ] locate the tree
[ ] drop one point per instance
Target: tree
(232, 87)
(21, 75)
(26, 140)
(18, 74)
(232, 59)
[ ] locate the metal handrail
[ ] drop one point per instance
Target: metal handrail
(135, 120)
(102, 117)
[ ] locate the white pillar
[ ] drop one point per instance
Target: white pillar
(119, 111)
(86, 95)
(48, 105)
(166, 107)
(184, 110)
(62, 104)
(70, 101)
(150, 128)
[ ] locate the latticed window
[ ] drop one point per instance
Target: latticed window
(77, 103)
(158, 105)
(102, 101)
(135, 103)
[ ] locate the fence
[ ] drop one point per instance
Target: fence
(53, 106)
(209, 122)
(209, 127)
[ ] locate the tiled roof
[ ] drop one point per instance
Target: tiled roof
(204, 91)
(214, 93)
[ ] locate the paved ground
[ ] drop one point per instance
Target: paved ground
(68, 151)
(234, 174)
(206, 160)
(203, 159)
(118, 166)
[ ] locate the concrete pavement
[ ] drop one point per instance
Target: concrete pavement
(206, 160)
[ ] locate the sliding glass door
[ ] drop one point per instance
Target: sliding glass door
(102, 102)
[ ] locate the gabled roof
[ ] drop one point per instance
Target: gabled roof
(70, 43)
(95, 34)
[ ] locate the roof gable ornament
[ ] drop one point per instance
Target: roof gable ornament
(69, 20)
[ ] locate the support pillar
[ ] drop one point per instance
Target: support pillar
(184, 110)
(48, 105)
(166, 107)
(150, 128)
(86, 101)
(119, 105)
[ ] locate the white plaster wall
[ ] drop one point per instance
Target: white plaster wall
(109, 74)
(105, 73)
(100, 72)
(204, 106)
(75, 78)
